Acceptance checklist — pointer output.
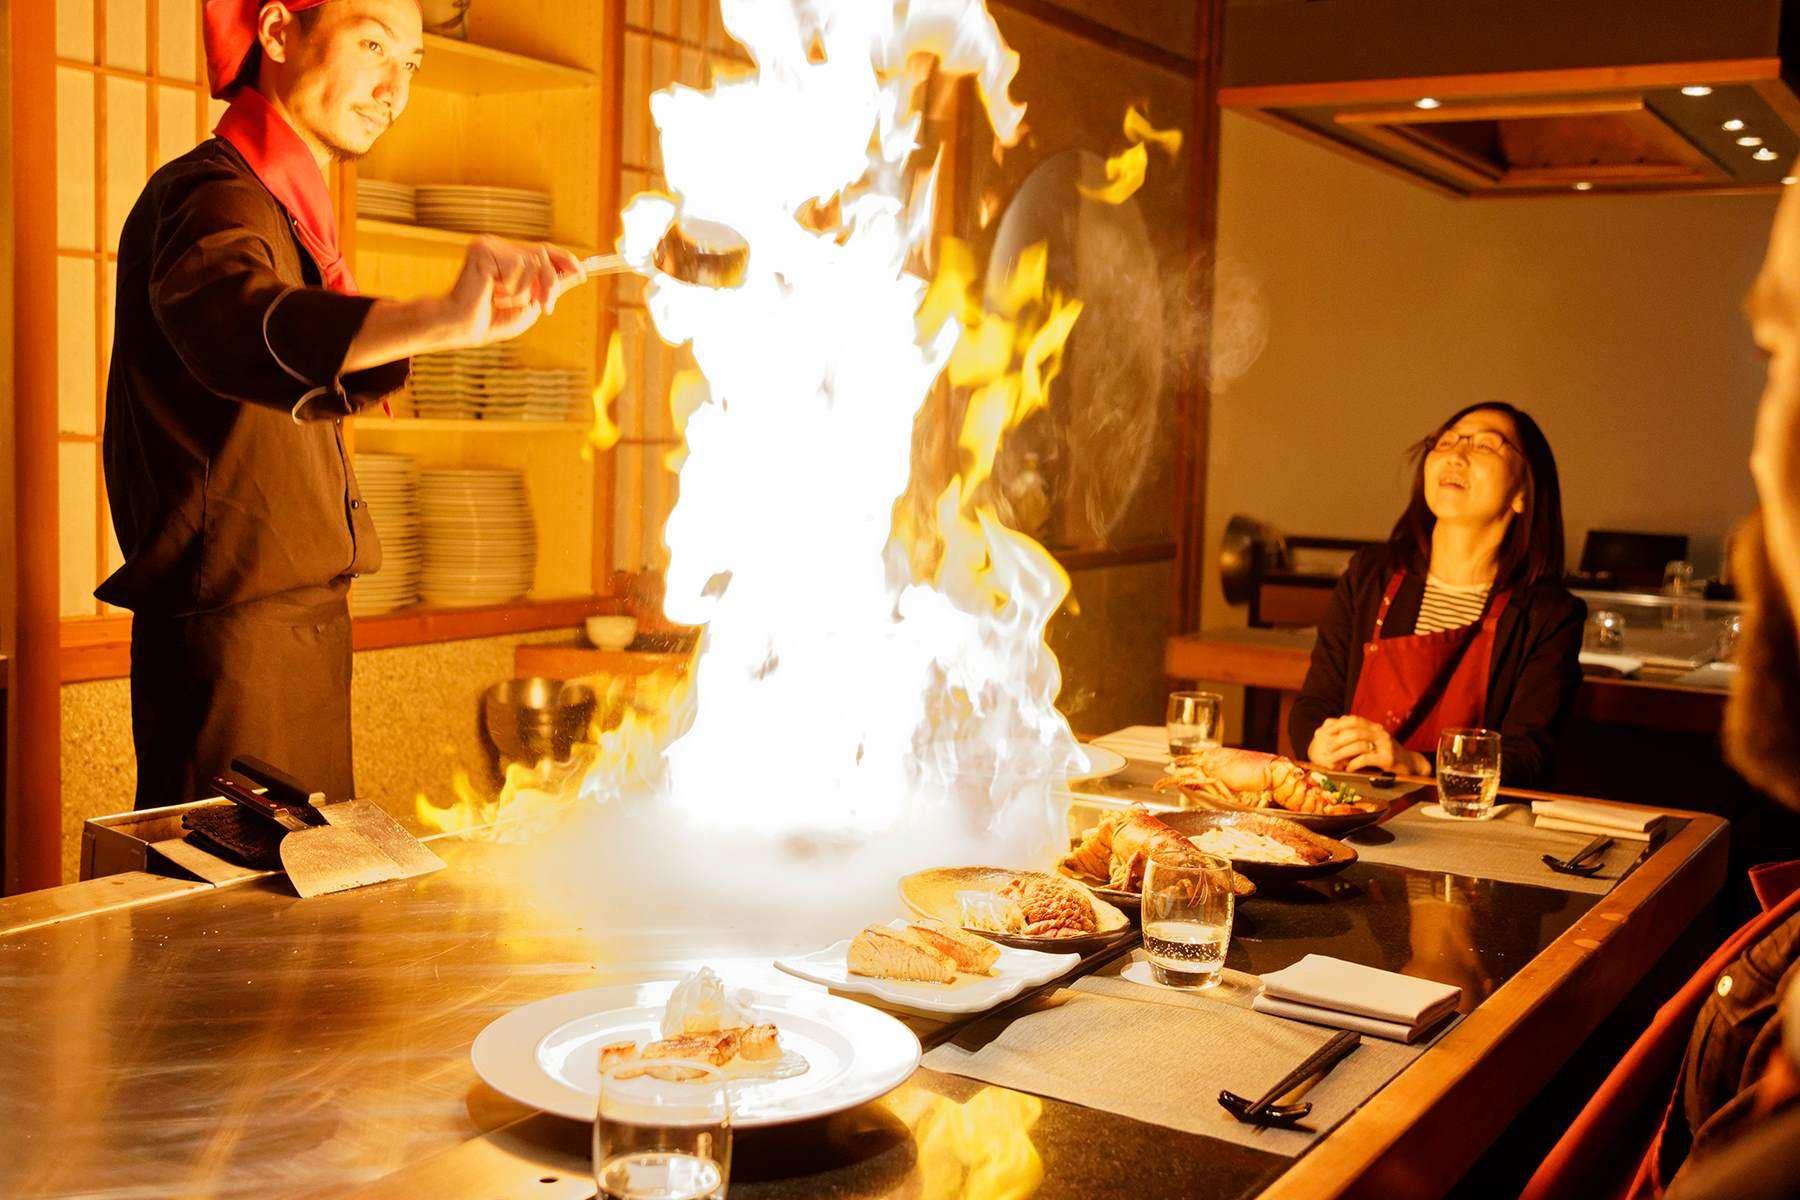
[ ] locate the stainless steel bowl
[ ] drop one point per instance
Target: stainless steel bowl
(536, 718)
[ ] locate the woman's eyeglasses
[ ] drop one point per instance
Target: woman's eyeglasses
(1482, 441)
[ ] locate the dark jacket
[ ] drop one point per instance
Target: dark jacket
(1531, 683)
(224, 448)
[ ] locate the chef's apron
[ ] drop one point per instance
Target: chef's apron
(270, 678)
(1398, 672)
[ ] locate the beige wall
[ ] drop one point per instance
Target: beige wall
(1614, 320)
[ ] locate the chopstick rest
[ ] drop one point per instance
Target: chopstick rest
(1577, 863)
(1265, 1111)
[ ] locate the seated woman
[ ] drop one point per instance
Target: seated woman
(1460, 620)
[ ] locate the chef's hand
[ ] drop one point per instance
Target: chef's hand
(1352, 743)
(506, 286)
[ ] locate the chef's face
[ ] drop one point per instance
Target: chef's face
(1475, 472)
(1774, 309)
(349, 69)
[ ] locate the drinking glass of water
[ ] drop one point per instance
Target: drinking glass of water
(1187, 920)
(1468, 771)
(1194, 722)
(662, 1132)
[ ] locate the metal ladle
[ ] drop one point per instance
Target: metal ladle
(693, 251)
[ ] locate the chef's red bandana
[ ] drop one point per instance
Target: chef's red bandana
(287, 168)
(231, 37)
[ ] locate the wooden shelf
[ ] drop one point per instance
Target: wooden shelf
(571, 662)
(100, 647)
(452, 65)
(372, 234)
(409, 425)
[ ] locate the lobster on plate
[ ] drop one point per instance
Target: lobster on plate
(1248, 779)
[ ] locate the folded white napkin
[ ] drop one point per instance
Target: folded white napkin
(1144, 742)
(1624, 664)
(1581, 816)
(1347, 995)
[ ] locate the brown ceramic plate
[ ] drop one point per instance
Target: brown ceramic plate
(1192, 822)
(933, 894)
(1243, 887)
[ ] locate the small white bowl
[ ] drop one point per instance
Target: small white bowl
(611, 633)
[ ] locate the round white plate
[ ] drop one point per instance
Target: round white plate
(547, 1054)
(1101, 763)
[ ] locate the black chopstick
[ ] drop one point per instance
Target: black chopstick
(1317, 1063)
(1129, 940)
(1593, 849)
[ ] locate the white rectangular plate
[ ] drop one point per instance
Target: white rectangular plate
(1014, 972)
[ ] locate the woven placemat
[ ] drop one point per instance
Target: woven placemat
(1161, 1055)
(1507, 849)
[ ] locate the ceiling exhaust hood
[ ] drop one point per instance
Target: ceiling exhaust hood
(1483, 98)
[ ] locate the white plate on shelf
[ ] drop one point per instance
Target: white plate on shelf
(547, 1054)
(1014, 972)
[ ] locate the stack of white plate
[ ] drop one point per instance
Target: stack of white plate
(387, 201)
(513, 212)
(390, 487)
(480, 545)
(556, 394)
(457, 384)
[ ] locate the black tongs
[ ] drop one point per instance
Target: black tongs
(1265, 1111)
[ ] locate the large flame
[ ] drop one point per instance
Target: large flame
(1125, 170)
(897, 697)
(980, 1149)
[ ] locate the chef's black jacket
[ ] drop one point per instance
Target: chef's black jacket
(230, 487)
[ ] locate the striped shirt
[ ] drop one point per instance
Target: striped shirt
(1450, 606)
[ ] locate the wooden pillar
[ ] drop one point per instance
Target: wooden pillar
(34, 844)
(1194, 403)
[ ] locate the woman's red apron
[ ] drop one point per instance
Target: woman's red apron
(1397, 671)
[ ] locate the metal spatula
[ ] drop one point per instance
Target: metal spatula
(392, 838)
(318, 858)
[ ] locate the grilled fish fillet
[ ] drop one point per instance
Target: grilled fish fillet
(881, 953)
(716, 1048)
(753, 1043)
(759, 1042)
(973, 954)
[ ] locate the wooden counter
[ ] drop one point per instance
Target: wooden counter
(1277, 659)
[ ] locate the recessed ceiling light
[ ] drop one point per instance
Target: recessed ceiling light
(1427, 102)
(1765, 155)
(1584, 186)
(1732, 126)
(1696, 89)
(1789, 180)
(1749, 140)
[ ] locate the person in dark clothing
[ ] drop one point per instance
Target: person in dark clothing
(1460, 620)
(1706, 1104)
(240, 345)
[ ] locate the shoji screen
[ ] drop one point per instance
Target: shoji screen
(666, 41)
(129, 97)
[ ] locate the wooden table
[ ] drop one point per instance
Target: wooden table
(1277, 659)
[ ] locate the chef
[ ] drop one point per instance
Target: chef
(240, 344)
